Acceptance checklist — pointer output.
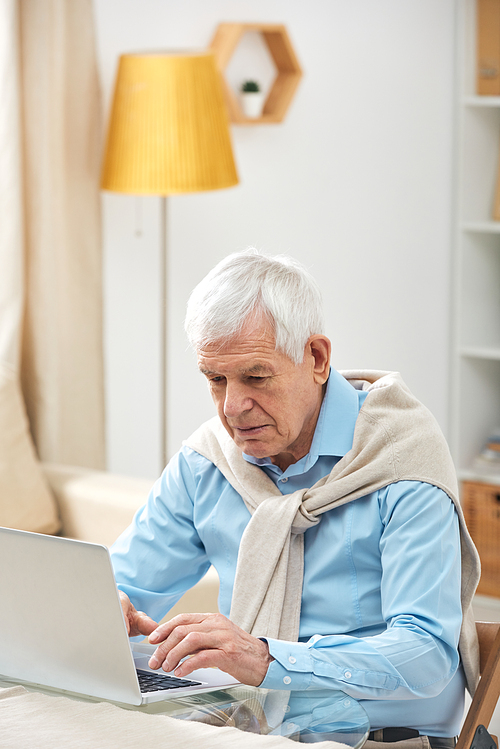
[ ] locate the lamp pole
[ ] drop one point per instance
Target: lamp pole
(163, 331)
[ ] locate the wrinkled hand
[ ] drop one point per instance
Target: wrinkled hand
(138, 623)
(210, 640)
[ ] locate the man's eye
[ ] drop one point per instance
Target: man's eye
(216, 380)
(256, 379)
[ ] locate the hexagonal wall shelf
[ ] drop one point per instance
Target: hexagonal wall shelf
(289, 73)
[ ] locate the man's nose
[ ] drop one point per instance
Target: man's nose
(237, 400)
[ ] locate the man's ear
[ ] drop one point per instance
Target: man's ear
(319, 347)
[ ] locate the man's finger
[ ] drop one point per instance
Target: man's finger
(169, 654)
(203, 659)
(126, 607)
(164, 630)
(144, 624)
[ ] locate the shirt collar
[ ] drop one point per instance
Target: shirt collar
(335, 427)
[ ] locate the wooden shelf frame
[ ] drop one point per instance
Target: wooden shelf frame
(275, 36)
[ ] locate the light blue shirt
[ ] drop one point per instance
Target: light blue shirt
(381, 610)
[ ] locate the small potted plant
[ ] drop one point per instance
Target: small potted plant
(252, 99)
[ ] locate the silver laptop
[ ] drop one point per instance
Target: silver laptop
(62, 627)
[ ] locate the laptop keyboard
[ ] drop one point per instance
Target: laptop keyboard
(149, 682)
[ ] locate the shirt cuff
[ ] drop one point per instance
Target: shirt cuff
(292, 666)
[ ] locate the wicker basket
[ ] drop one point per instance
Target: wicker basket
(481, 506)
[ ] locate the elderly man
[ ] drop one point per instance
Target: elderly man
(327, 504)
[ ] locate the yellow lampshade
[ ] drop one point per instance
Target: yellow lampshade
(168, 129)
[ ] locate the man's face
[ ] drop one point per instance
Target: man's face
(268, 404)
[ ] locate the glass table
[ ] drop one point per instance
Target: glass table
(303, 716)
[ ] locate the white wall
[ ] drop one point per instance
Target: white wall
(356, 183)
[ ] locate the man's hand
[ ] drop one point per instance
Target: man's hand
(138, 623)
(210, 640)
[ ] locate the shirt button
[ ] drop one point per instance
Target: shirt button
(347, 674)
(287, 680)
(292, 659)
(284, 480)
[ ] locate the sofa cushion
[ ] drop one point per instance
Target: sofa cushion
(95, 506)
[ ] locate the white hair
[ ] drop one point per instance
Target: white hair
(246, 283)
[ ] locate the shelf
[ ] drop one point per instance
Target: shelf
(481, 101)
(478, 352)
(289, 73)
(479, 476)
(482, 227)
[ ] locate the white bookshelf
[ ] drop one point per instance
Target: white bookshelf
(481, 101)
(475, 390)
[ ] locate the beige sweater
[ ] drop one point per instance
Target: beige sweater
(396, 438)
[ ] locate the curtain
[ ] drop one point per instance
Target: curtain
(62, 362)
(50, 265)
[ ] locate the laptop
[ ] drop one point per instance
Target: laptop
(62, 627)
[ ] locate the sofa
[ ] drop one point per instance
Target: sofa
(97, 506)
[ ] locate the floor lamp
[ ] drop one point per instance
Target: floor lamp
(168, 134)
